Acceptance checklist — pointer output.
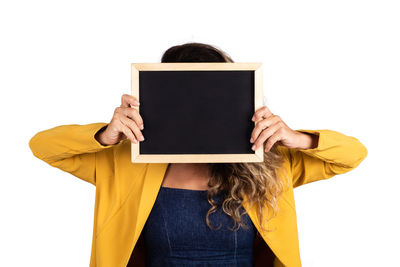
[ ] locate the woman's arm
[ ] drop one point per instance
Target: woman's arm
(72, 148)
(335, 153)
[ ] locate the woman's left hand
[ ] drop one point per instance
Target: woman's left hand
(272, 127)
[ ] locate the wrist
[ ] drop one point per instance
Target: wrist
(307, 140)
(99, 136)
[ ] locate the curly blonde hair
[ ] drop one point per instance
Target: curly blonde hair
(259, 181)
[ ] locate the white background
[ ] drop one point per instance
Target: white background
(327, 65)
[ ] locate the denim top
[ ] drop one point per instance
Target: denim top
(176, 233)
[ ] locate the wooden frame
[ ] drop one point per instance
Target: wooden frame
(257, 156)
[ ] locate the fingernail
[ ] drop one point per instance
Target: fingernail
(253, 147)
(136, 102)
(141, 127)
(141, 138)
(252, 118)
(251, 140)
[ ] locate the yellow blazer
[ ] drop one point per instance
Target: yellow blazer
(126, 191)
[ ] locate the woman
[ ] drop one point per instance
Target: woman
(195, 214)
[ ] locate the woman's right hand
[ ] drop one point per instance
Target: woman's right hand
(125, 123)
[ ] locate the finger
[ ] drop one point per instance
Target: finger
(261, 125)
(128, 133)
(265, 134)
(261, 112)
(133, 127)
(129, 99)
(276, 137)
(133, 114)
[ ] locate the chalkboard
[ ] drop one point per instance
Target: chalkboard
(197, 112)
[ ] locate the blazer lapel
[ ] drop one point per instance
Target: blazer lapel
(127, 223)
(151, 185)
(283, 239)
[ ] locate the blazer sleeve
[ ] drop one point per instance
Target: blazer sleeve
(336, 153)
(71, 148)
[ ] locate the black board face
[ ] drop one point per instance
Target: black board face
(191, 113)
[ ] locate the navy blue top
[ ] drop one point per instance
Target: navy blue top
(176, 233)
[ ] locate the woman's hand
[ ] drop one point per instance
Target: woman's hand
(125, 123)
(272, 128)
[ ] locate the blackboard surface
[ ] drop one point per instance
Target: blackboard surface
(196, 112)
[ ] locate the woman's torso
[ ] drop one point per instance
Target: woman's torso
(176, 233)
